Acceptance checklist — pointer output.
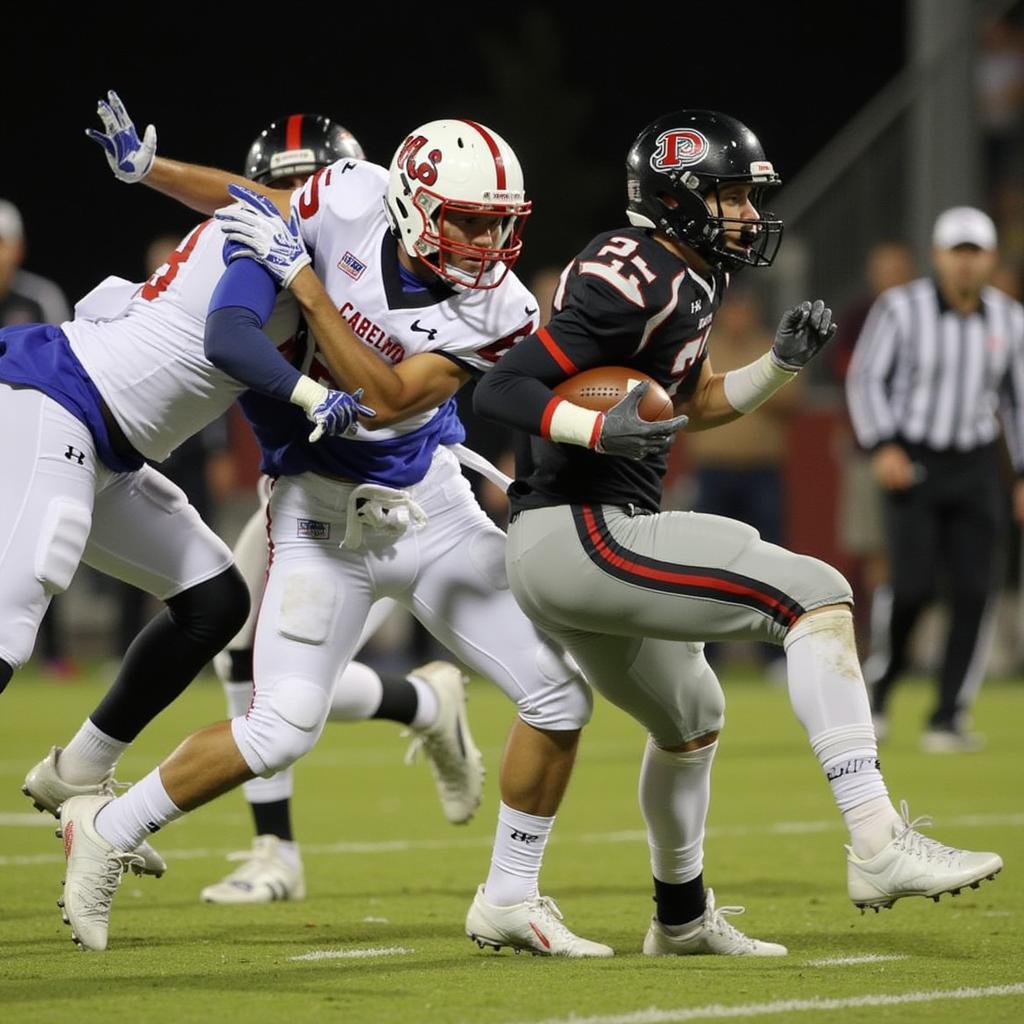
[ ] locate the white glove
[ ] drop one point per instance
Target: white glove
(130, 159)
(255, 225)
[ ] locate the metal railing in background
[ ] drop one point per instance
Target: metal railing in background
(907, 154)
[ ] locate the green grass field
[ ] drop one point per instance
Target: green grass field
(390, 883)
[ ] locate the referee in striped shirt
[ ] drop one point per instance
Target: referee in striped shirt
(938, 363)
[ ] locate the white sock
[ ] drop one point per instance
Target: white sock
(828, 695)
(356, 695)
(289, 851)
(675, 791)
(428, 707)
(517, 855)
(145, 808)
(90, 756)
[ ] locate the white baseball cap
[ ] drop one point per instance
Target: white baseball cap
(964, 225)
(10, 222)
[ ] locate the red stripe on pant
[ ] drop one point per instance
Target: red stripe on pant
(680, 579)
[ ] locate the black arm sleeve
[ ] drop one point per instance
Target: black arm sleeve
(517, 390)
(593, 328)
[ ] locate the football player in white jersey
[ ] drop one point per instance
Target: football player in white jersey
(124, 381)
(418, 262)
(430, 700)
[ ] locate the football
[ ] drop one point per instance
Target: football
(602, 386)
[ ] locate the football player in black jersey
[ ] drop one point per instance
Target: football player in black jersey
(633, 592)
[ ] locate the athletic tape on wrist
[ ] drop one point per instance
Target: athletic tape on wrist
(307, 394)
(752, 385)
(572, 424)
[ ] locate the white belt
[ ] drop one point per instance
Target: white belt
(471, 460)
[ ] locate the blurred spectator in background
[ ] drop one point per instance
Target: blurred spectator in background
(1000, 86)
(739, 466)
(27, 298)
(860, 529)
(933, 362)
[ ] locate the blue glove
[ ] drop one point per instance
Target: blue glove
(130, 159)
(337, 413)
(255, 223)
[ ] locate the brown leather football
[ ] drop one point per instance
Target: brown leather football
(600, 387)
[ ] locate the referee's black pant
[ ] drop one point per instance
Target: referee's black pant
(950, 523)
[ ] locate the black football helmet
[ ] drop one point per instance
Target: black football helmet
(679, 162)
(299, 144)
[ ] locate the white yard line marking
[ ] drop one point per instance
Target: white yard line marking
(869, 958)
(352, 954)
(33, 819)
(720, 1011)
(478, 842)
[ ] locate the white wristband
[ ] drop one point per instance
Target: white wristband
(307, 393)
(752, 385)
(572, 424)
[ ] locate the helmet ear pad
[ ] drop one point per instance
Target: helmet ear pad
(688, 156)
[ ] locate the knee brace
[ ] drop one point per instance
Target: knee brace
(282, 724)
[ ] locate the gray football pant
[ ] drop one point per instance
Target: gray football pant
(634, 597)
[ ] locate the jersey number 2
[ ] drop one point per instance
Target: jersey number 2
(621, 249)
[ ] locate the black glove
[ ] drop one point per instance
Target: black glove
(623, 433)
(802, 332)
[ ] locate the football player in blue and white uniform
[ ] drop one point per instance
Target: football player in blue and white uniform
(417, 259)
(127, 380)
(430, 700)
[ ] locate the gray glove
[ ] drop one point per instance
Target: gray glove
(625, 434)
(802, 333)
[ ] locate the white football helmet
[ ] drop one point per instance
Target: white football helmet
(457, 166)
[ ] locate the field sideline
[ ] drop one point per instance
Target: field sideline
(380, 937)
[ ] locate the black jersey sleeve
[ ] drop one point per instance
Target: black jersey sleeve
(597, 325)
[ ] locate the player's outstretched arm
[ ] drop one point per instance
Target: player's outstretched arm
(133, 159)
(721, 397)
(235, 343)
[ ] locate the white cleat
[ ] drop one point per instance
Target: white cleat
(914, 865)
(93, 872)
(264, 877)
(457, 764)
(951, 741)
(713, 935)
(534, 925)
(47, 791)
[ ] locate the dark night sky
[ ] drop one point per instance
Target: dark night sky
(568, 95)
